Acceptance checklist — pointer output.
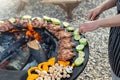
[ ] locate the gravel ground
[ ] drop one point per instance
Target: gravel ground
(98, 66)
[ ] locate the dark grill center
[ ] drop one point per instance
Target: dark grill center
(21, 58)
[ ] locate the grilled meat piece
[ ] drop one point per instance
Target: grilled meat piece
(7, 25)
(66, 45)
(21, 23)
(38, 23)
(57, 28)
(65, 40)
(62, 48)
(65, 55)
(62, 34)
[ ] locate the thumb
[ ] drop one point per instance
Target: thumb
(81, 29)
(93, 16)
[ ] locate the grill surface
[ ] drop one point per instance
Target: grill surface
(49, 44)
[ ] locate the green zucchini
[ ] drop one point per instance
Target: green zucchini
(1, 21)
(70, 29)
(12, 20)
(83, 41)
(79, 61)
(47, 18)
(26, 17)
(56, 21)
(77, 37)
(80, 47)
(36, 18)
(66, 24)
(76, 31)
(81, 54)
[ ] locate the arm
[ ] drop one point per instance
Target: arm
(110, 21)
(107, 4)
(94, 13)
(105, 22)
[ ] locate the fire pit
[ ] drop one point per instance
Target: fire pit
(16, 57)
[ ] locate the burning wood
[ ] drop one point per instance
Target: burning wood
(37, 51)
(32, 33)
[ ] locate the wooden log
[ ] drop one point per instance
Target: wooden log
(19, 60)
(36, 51)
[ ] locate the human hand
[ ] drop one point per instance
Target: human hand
(94, 13)
(89, 26)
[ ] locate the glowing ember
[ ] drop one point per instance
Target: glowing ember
(13, 30)
(32, 33)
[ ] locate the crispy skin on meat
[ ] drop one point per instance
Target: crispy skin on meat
(62, 34)
(65, 40)
(38, 23)
(21, 23)
(66, 45)
(65, 55)
(62, 48)
(6, 26)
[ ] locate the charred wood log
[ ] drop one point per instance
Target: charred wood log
(19, 60)
(7, 53)
(37, 51)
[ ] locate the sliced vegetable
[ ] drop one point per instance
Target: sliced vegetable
(64, 63)
(26, 17)
(36, 18)
(83, 41)
(45, 67)
(55, 21)
(51, 61)
(47, 18)
(31, 70)
(66, 24)
(70, 29)
(12, 20)
(80, 47)
(1, 21)
(79, 61)
(76, 31)
(77, 37)
(81, 54)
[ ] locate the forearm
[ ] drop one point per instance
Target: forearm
(107, 5)
(109, 22)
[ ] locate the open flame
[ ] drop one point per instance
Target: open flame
(32, 33)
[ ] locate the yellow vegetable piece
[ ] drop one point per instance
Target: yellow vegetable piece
(64, 63)
(40, 66)
(51, 61)
(31, 69)
(73, 65)
(45, 67)
(32, 77)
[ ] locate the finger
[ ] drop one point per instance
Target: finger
(93, 16)
(96, 17)
(81, 29)
(90, 15)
